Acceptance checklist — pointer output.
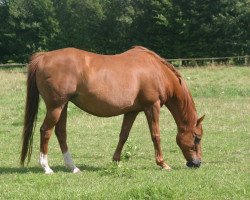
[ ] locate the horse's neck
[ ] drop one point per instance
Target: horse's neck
(182, 108)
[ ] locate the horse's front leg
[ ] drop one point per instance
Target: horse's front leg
(128, 120)
(153, 113)
(61, 134)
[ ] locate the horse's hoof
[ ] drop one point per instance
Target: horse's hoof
(49, 171)
(166, 167)
(76, 170)
(116, 162)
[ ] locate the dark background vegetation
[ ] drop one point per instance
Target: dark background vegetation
(172, 28)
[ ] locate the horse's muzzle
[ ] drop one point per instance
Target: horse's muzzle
(194, 163)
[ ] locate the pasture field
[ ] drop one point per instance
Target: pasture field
(222, 93)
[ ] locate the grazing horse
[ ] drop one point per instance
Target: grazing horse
(108, 85)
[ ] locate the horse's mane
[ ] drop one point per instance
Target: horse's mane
(162, 60)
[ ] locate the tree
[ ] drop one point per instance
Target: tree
(30, 26)
(5, 35)
(151, 27)
(115, 27)
(80, 23)
(210, 28)
(172, 28)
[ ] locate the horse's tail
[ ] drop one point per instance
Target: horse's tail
(31, 108)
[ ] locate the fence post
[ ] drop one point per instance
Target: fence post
(180, 62)
(246, 60)
(212, 62)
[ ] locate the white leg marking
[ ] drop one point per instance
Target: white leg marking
(44, 163)
(69, 162)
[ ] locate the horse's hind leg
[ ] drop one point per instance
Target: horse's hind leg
(127, 123)
(153, 114)
(61, 135)
(52, 117)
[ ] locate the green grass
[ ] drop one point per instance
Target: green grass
(222, 93)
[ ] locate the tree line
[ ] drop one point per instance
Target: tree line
(172, 28)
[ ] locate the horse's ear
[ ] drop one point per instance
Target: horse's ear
(200, 120)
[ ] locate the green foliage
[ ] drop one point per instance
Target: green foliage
(80, 23)
(118, 171)
(31, 26)
(173, 28)
(129, 151)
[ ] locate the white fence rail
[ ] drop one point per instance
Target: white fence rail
(194, 61)
(13, 65)
(178, 61)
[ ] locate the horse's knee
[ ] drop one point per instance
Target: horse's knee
(156, 139)
(45, 134)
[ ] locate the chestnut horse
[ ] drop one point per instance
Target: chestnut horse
(108, 85)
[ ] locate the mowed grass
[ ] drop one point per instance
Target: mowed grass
(222, 93)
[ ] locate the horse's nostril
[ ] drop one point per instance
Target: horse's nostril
(189, 164)
(194, 163)
(197, 163)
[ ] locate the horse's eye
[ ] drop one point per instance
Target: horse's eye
(197, 139)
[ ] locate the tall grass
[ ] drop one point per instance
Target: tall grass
(222, 93)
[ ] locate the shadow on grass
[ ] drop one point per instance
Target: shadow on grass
(19, 170)
(39, 170)
(153, 167)
(87, 168)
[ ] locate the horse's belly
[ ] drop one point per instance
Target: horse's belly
(105, 106)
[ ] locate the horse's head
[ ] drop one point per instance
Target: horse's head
(190, 144)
